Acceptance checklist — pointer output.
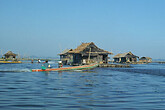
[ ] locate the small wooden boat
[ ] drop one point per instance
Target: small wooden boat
(10, 62)
(68, 68)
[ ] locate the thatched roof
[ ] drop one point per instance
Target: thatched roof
(145, 58)
(80, 48)
(65, 51)
(10, 53)
(128, 55)
(83, 46)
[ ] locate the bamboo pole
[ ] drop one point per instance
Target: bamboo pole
(89, 55)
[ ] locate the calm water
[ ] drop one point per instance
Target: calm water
(141, 87)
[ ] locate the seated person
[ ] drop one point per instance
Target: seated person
(60, 64)
(45, 65)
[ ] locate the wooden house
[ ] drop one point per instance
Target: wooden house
(145, 59)
(10, 55)
(65, 57)
(87, 53)
(125, 58)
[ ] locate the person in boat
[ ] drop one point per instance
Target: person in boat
(32, 61)
(39, 61)
(60, 64)
(45, 65)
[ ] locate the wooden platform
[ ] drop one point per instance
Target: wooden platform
(114, 65)
(10, 62)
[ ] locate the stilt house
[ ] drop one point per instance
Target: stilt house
(86, 53)
(125, 58)
(10, 55)
(65, 57)
(145, 59)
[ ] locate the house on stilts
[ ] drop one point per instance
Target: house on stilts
(145, 59)
(66, 57)
(10, 55)
(86, 53)
(128, 57)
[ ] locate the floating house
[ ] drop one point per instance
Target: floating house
(10, 55)
(86, 53)
(145, 59)
(125, 58)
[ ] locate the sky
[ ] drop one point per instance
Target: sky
(47, 27)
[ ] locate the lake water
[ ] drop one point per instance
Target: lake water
(141, 87)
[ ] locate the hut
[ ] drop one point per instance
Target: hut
(10, 55)
(65, 57)
(125, 58)
(87, 53)
(145, 59)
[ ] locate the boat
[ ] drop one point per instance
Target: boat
(68, 68)
(10, 62)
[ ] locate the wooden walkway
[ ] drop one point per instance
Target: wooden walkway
(114, 65)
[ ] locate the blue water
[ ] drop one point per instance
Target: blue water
(141, 87)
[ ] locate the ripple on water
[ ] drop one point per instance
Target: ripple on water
(141, 87)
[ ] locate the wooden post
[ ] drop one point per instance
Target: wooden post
(89, 55)
(119, 60)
